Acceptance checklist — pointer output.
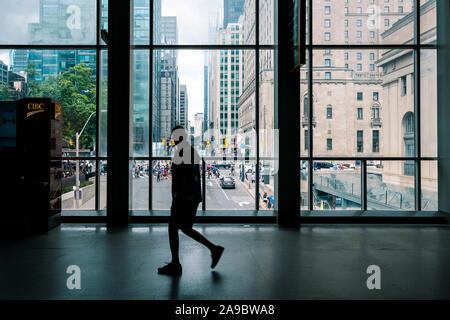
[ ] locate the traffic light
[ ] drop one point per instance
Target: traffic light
(226, 142)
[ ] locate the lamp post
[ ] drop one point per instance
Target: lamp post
(77, 172)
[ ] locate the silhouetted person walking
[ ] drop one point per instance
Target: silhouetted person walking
(186, 196)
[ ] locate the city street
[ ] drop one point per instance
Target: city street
(240, 198)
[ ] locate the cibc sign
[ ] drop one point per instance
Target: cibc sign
(38, 110)
(35, 110)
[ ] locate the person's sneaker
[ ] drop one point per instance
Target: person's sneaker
(171, 269)
(215, 255)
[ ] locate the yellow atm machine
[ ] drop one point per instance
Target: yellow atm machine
(39, 146)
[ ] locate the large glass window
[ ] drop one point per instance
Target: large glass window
(223, 96)
(71, 68)
(48, 22)
(382, 98)
(210, 68)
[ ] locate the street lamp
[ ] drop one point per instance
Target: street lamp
(77, 173)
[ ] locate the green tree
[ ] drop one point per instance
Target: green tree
(76, 90)
(5, 94)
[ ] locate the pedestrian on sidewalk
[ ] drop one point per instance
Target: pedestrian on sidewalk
(265, 200)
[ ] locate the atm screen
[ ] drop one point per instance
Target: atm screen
(7, 124)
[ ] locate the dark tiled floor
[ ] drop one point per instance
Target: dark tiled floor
(260, 262)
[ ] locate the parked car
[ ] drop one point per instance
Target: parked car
(224, 165)
(227, 183)
(322, 165)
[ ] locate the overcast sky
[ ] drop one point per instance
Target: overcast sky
(14, 18)
(192, 18)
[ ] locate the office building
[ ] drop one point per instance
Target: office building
(246, 102)
(183, 107)
(225, 85)
(198, 124)
(205, 95)
(169, 35)
(3, 72)
(232, 10)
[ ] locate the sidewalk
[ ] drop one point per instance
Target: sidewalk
(250, 187)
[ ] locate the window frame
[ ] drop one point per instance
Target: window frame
(416, 46)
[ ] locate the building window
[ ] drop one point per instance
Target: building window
(372, 67)
(360, 113)
(329, 144)
(372, 56)
(408, 136)
(359, 56)
(386, 22)
(327, 36)
(306, 139)
(327, 75)
(408, 125)
(359, 141)
(306, 107)
(327, 62)
(404, 86)
(327, 10)
(359, 96)
(375, 113)
(329, 112)
(375, 141)
(375, 96)
(359, 67)
(327, 23)
(400, 9)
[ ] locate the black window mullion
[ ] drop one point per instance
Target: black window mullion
(150, 109)
(310, 108)
(97, 103)
(417, 109)
(257, 102)
(203, 184)
(97, 131)
(363, 184)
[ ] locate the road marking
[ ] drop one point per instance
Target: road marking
(243, 203)
(223, 191)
